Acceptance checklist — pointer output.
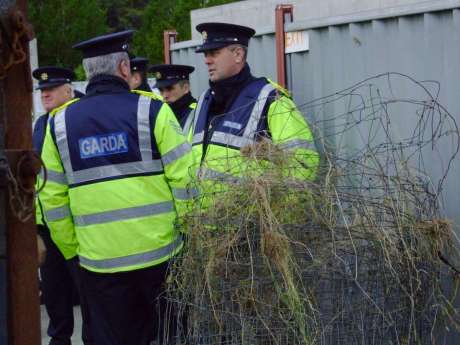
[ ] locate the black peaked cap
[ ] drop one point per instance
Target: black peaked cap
(105, 44)
(139, 64)
(167, 75)
(219, 35)
(52, 76)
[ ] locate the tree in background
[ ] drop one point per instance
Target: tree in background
(160, 15)
(124, 14)
(58, 24)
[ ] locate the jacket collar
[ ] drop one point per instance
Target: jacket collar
(103, 84)
(182, 104)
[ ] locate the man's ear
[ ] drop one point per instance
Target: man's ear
(239, 55)
(68, 90)
(186, 87)
(124, 69)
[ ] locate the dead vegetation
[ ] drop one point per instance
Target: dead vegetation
(354, 257)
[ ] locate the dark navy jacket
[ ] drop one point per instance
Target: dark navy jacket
(237, 116)
(182, 108)
(113, 111)
(39, 132)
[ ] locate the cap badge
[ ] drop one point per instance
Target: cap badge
(44, 76)
(125, 46)
(204, 34)
(158, 75)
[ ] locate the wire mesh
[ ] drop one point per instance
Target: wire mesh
(352, 257)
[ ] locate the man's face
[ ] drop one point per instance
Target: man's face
(222, 63)
(174, 92)
(135, 80)
(54, 97)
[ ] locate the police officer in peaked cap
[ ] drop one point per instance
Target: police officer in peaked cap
(55, 85)
(240, 109)
(121, 165)
(174, 85)
(139, 68)
(59, 277)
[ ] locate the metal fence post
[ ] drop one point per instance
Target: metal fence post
(283, 14)
(169, 37)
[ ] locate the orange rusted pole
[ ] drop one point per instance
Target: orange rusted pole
(169, 37)
(281, 12)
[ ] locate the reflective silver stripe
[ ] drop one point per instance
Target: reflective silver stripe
(248, 136)
(199, 105)
(107, 171)
(297, 143)
(124, 214)
(256, 113)
(57, 213)
(147, 165)
(231, 139)
(233, 125)
(193, 192)
(135, 259)
(60, 132)
(53, 176)
(143, 127)
(176, 153)
(198, 138)
(184, 193)
(210, 174)
(188, 122)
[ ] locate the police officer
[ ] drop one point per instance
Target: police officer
(239, 110)
(123, 164)
(174, 85)
(139, 67)
(58, 275)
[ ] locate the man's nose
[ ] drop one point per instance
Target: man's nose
(207, 59)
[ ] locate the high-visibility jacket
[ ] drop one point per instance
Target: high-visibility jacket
(118, 170)
(187, 126)
(261, 110)
(38, 137)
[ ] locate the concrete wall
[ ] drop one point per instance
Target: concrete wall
(262, 46)
(259, 13)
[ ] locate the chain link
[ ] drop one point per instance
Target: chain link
(16, 53)
(21, 198)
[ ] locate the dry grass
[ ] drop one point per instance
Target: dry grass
(350, 258)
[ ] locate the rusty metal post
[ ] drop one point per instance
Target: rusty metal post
(283, 14)
(3, 255)
(23, 308)
(169, 37)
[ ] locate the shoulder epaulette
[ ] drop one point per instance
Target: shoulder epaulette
(279, 88)
(65, 105)
(152, 95)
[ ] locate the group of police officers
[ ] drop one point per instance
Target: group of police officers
(120, 165)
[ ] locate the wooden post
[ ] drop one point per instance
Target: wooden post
(23, 307)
